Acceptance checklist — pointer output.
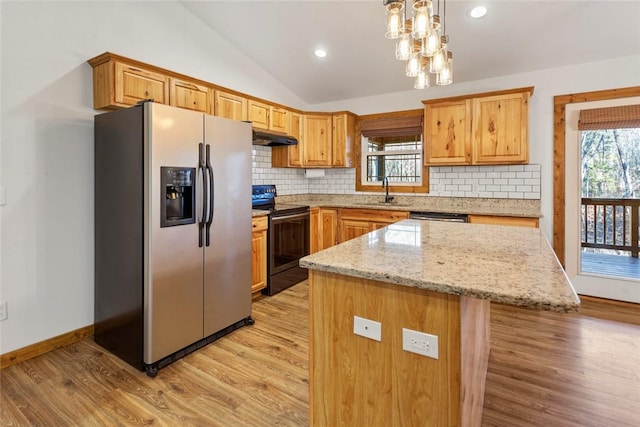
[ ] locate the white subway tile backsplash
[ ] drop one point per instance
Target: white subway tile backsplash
(501, 182)
(504, 181)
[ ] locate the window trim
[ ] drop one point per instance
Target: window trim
(560, 103)
(424, 188)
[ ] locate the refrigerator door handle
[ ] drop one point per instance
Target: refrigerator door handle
(210, 193)
(203, 193)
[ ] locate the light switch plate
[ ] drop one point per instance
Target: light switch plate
(420, 343)
(367, 328)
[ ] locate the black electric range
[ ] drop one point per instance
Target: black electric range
(263, 197)
(287, 238)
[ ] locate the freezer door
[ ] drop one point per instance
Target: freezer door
(227, 288)
(174, 272)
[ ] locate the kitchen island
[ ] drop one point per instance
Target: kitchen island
(433, 277)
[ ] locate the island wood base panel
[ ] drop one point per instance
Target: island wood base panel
(358, 381)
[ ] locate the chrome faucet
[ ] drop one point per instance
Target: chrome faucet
(385, 184)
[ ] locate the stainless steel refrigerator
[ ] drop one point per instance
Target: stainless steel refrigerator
(172, 231)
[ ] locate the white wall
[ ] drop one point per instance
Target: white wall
(616, 73)
(46, 269)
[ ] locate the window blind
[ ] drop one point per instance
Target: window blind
(627, 116)
(393, 126)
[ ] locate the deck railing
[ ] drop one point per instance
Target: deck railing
(611, 224)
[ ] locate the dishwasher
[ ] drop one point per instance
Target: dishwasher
(439, 216)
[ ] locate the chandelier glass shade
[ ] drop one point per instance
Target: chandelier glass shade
(421, 40)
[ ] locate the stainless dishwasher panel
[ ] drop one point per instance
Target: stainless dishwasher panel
(439, 216)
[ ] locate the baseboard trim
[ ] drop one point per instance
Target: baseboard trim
(42, 347)
(614, 302)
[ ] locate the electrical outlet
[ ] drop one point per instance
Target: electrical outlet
(420, 343)
(367, 328)
(3, 311)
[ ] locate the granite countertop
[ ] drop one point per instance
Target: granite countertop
(258, 212)
(464, 205)
(510, 265)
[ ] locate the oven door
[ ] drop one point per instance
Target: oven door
(289, 241)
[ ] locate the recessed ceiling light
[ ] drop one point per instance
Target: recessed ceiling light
(478, 12)
(320, 53)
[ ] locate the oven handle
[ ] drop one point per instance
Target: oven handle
(284, 217)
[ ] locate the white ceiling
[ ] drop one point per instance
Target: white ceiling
(515, 36)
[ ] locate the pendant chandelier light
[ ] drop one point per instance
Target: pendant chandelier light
(421, 40)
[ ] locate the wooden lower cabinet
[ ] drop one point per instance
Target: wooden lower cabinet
(505, 220)
(352, 228)
(259, 253)
(324, 228)
(357, 222)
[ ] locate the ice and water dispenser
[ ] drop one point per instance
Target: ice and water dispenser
(177, 196)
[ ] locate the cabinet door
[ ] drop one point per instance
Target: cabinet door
(258, 114)
(189, 95)
(342, 140)
(317, 140)
(505, 220)
(135, 84)
(329, 228)
(259, 254)
(352, 228)
(500, 129)
(279, 120)
(447, 130)
(291, 155)
(230, 106)
(324, 228)
(295, 130)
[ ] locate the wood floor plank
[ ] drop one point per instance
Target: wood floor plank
(545, 369)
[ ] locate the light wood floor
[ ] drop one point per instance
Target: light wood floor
(545, 369)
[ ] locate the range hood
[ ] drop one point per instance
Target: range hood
(261, 137)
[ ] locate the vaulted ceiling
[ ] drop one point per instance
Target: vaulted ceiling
(515, 36)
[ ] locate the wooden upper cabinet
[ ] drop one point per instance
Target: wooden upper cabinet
(258, 114)
(121, 83)
(133, 84)
(295, 130)
(268, 117)
(343, 139)
(279, 120)
(230, 106)
(317, 140)
(490, 128)
(447, 133)
(500, 129)
(324, 140)
(190, 95)
(291, 155)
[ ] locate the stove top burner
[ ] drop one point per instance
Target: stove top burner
(263, 198)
